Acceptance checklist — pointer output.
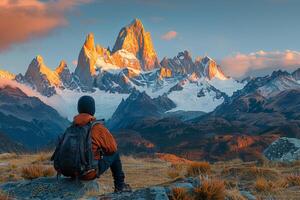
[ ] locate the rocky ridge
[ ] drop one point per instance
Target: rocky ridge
(284, 149)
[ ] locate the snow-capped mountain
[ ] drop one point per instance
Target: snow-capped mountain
(192, 84)
(270, 85)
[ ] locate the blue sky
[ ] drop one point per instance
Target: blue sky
(218, 28)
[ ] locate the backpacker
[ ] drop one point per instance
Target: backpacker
(73, 156)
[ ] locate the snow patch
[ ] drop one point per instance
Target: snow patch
(106, 103)
(229, 86)
(126, 54)
(188, 100)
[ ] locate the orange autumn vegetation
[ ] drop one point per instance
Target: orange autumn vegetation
(210, 190)
(35, 171)
(198, 168)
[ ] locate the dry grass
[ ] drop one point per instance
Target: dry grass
(139, 173)
(173, 174)
(6, 156)
(42, 157)
(176, 171)
(180, 194)
(293, 180)
(265, 186)
(251, 173)
(4, 196)
(210, 190)
(35, 171)
(198, 168)
(282, 179)
(234, 194)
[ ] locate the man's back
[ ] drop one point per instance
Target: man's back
(101, 137)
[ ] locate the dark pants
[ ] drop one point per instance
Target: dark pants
(114, 163)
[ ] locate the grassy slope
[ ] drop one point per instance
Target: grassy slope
(144, 172)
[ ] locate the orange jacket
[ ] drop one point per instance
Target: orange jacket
(101, 137)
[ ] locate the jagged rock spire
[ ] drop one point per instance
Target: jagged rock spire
(134, 39)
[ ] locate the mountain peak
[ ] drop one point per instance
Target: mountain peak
(61, 67)
(136, 23)
(89, 41)
(41, 77)
(134, 39)
(39, 59)
(211, 69)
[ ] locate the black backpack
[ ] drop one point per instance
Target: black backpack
(73, 156)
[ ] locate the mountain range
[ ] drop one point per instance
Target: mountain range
(174, 105)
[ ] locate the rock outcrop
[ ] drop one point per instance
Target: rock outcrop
(134, 39)
(66, 77)
(50, 188)
(180, 64)
(284, 149)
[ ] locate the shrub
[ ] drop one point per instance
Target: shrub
(263, 185)
(35, 171)
(293, 180)
(210, 190)
(198, 168)
(180, 194)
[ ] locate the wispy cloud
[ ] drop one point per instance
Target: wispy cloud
(242, 64)
(22, 20)
(74, 62)
(169, 35)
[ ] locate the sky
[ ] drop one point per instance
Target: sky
(245, 37)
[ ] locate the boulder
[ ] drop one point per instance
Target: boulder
(153, 193)
(284, 149)
(49, 188)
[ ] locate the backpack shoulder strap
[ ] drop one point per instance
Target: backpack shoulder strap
(90, 155)
(100, 121)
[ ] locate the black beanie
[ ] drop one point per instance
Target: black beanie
(86, 104)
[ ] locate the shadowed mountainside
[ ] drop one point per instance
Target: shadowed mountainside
(27, 119)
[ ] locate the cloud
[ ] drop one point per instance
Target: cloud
(169, 35)
(74, 62)
(240, 65)
(22, 20)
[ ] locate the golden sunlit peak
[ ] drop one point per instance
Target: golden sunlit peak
(62, 65)
(136, 22)
(89, 41)
(39, 59)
